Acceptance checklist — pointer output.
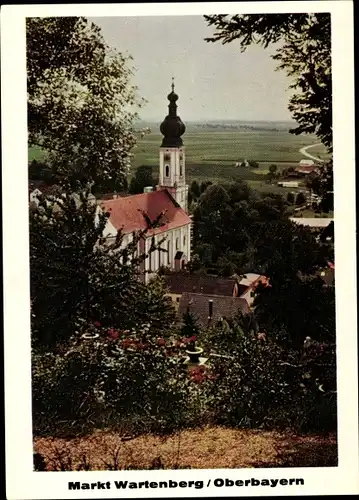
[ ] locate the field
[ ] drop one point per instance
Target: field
(211, 153)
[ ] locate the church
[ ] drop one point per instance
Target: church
(133, 213)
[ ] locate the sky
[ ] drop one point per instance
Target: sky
(213, 81)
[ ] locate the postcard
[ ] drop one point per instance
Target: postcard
(179, 250)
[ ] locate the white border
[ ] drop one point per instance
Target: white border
(22, 482)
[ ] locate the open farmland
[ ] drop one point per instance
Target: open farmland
(211, 152)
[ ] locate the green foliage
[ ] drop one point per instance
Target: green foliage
(120, 379)
(304, 53)
(301, 199)
(307, 307)
(143, 178)
(322, 185)
(78, 277)
(290, 198)
(79, 94)
(231, 225)
(273, 168)
(195, 189)
(260, 384)
(190, 326)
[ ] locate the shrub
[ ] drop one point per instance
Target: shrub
(125, 379)
(258, 383)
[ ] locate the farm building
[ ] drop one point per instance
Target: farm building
(288, 184)
(306, 163)
(307, 169)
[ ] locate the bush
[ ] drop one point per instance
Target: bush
(260, 384)
(124, 379)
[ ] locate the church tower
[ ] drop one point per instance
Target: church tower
(172, 154)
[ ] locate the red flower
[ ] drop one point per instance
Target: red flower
(97, 324)
(114, 334)
(126, 343)
(161, 342)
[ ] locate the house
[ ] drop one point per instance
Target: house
(135, 213)
(180, 283)
(209, 309)
(307, 169)
(247, 285)
(306, 163)
(288, 184)
(38, 188)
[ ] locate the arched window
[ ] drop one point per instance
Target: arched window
(177, 243)
(167, 170)
(168, 252)
(184, 240)
(181, 165)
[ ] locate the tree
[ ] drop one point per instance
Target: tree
(78, 278)
(301, 199)
(79, 97)
(304, 52)
(290, 198)
(205, 185)
(142, 178)
(190, 326)
(322, 185)
(273, 169)
(195, 190)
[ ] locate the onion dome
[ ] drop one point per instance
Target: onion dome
(172, 126)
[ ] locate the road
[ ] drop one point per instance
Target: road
(304, 152)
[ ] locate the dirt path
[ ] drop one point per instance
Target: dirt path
(304, 152)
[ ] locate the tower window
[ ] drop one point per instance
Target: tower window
(167, 170)
(181, 165)
(177, 243)
(184, 240)
(167, 157)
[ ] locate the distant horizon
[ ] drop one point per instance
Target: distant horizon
(217, 120)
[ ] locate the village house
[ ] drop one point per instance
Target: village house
(210, 309)
(247, 285)
(180, 283)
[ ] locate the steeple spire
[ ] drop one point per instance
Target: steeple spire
(172, 127)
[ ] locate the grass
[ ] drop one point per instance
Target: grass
(308, 213)
(208, 448)
(204, 146)
(211, 154)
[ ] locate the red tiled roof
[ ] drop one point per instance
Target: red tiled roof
(127, 213)
(306, 168)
